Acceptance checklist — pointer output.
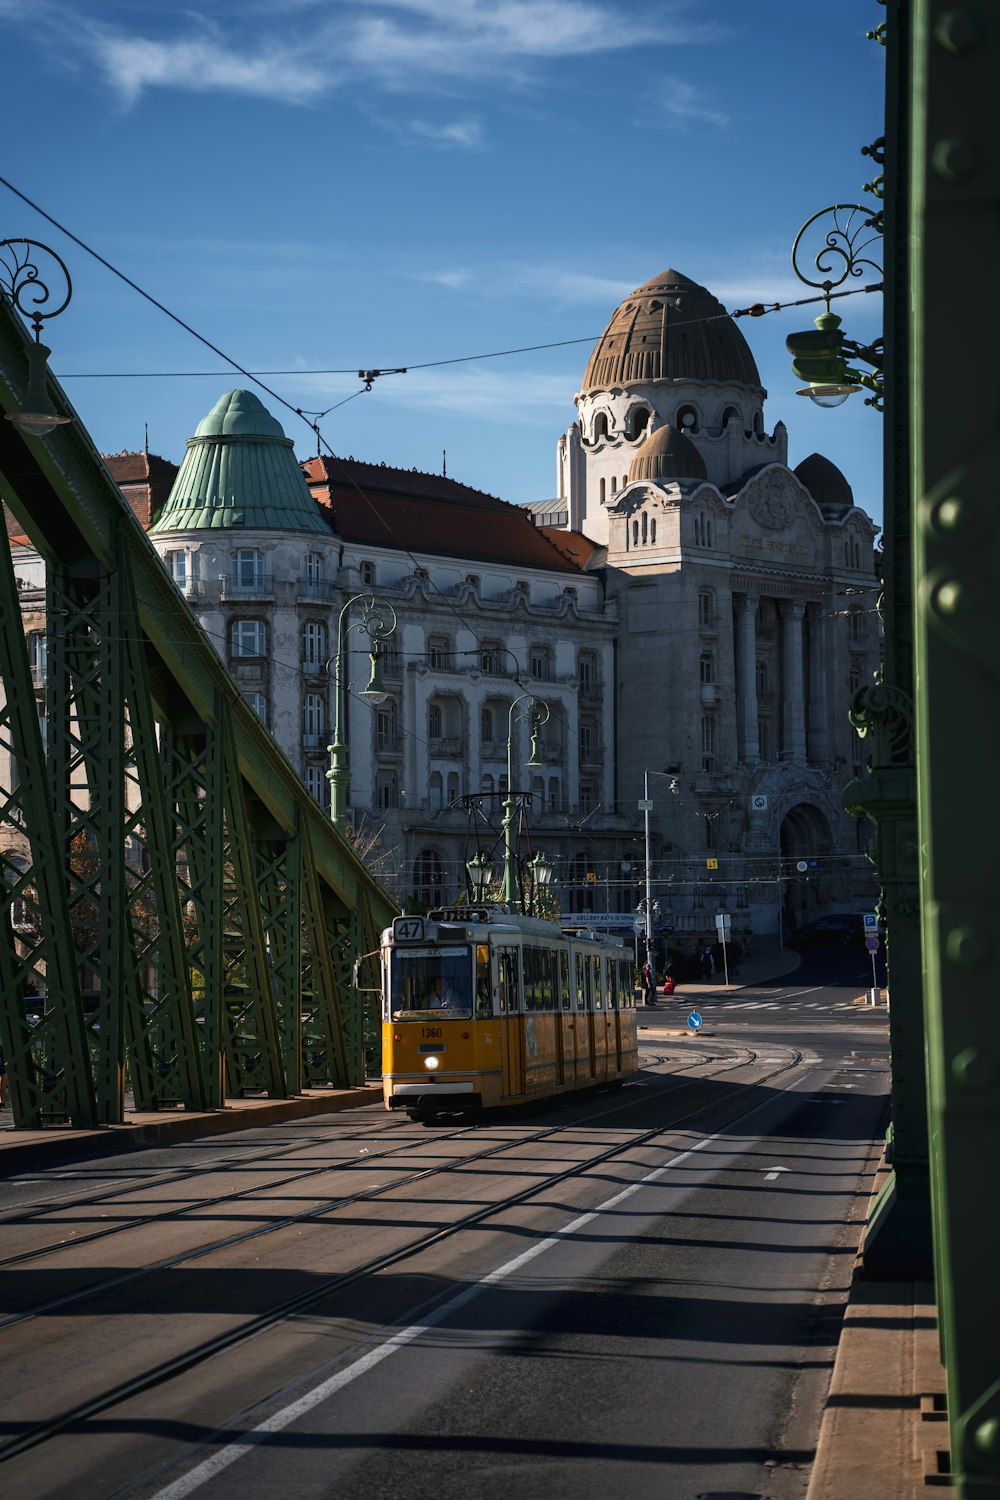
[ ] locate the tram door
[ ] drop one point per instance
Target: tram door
(614, 970)
(511, 1025)
(602, 1018)
(584, 1001)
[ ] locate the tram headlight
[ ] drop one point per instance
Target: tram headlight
(432, 1063)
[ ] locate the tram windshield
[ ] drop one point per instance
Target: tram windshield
(430, 982)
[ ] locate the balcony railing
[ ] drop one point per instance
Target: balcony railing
(315, 741)
(388, 744)
(445, 746)
(317, 588)
(260, 586)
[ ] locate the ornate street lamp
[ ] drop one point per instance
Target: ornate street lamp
(539, 713)
(377, 620)
(847, 231)
(28, 293)
(480, 868)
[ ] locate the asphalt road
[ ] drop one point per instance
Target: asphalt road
(638, 1294)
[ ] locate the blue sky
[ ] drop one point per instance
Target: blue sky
(316, 185)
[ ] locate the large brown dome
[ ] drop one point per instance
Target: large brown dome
(670, 329)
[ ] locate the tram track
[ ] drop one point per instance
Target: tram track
(110, 1231)
(168, 1369)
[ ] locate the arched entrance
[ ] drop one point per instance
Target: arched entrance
(805, 840)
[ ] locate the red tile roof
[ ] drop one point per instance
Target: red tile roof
(399, 508)
(145, 480)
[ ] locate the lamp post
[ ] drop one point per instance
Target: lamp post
(377, 620)
(539, 713)
(28, 293)
(646, 807)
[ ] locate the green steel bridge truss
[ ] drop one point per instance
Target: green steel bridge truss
(178, 918)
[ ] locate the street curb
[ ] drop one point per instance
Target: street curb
(29, 1148)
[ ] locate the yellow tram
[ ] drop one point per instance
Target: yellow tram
(483, 1008)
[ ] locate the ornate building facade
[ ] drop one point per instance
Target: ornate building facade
(688, 613)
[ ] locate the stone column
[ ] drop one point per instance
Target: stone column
(819, 739)
(748, 732)
(792, 684)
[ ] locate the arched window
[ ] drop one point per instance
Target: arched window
(486, 726)
(761, 678)
(652, 531)
(488, 785)
(317, 785)
(314, 651)
(645, 528)
(638, 421)
(555, 795)
(600, 426)
(541, 663)
(366, 572)
(454, 789)
(707, 742)
(537, 794)
(604, 489)
(248, 570)
(730, 417)
(706, 667)
(687, 419)
(706, 609)
(764, 738)
(428, 878)
(248, 638)
(635, 533)
(439, 653)
(313, 720)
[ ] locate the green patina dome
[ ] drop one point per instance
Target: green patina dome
(239, 472)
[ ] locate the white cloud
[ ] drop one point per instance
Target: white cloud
(294, 51)
(490, 395)
(465, 135)
(554, 284)
(678, 105)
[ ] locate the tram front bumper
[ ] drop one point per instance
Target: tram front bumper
(446, 1093)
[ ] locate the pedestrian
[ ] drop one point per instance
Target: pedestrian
(706, 959)
(649, 983)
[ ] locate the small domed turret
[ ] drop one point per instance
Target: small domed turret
(667, 454)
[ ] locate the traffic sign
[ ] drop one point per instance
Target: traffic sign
(870, 920)
(711, 864)
(802, 866)
(871, 943)
(694, 1020)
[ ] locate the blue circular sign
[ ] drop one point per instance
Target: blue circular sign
(694, 1020)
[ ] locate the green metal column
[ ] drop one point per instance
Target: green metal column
(48, 1062)
(955, 253)
(253, 1047)
(164, 1045)
(324, 1043)
(897, 1239)
(279, 884)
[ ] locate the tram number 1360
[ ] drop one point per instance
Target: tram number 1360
(429, 1033)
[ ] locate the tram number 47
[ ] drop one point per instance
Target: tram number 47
(428, 1032)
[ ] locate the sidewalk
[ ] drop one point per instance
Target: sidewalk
(768, 964)
(20, 1149)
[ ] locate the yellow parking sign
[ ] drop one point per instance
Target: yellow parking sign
(711, 864)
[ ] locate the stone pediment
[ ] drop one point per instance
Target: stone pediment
(776, 499)
(668, 493)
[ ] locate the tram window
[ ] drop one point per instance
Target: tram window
(484, 993)
(611, 978)
(431, 982)
(565, 995)
(581, 998)
(598, 992)
(507, 976)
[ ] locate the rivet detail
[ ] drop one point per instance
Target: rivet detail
(954, 159)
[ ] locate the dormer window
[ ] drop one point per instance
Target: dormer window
(366, 572)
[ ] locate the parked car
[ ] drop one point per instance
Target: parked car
(844, 929)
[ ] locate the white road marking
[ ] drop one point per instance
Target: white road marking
(247, 1441)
